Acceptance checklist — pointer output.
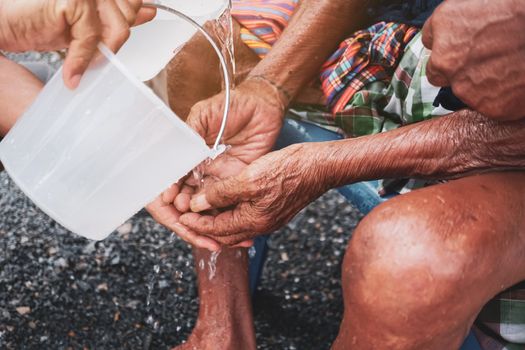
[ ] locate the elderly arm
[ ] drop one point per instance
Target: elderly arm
(462, 143)
(258, 104)
(314, 32)
(270, 191)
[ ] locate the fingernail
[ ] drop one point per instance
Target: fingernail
(199, 203)
(75, 81)
(207, 245)
(179, 228)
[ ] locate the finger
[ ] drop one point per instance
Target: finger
(427, 34)
(81, 16)
(192, 181)
(187, 189)
(227, 223)
(220, 194)
(129, 8)
(166, 215)
(170, 194)
(236, 241)
(182, 202)
(144, 15)
(244, 244)
(115, 28)
(200, 116)
(225, 166)
(192, 238)
(434, 76)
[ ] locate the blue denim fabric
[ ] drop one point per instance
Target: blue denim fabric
(411, 12)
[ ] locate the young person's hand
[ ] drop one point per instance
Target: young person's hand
(75, 24)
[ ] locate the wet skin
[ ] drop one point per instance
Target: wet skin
(420, 267)
(470, 233)
(457, 244)
(225, 309)
(204, 84)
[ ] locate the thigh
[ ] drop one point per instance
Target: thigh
(468, 233)
(430, 260)
(18, 89)
(480, 220)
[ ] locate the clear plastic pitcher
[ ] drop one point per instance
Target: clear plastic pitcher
(154, 42)
(93, 157)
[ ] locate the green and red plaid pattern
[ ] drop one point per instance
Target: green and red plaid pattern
(369, 55)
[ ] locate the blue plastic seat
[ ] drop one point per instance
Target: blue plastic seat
(364, 196)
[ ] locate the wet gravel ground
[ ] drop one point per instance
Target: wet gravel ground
(59, 291)
(136, 290)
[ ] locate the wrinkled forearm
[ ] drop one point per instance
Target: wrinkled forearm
(315, 30)
(448, 147)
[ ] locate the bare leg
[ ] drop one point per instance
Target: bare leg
(18, 89)
(421, 266)
(225, 316)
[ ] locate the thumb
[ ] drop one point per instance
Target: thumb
(220, 194)
(434, 75)
(82, 17)
(205, 117)
(427, 36)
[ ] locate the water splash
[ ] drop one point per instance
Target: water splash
(151, 286)
(198, 175)
(223, 30)
(150, 321)
(212, 264)
(252, 252)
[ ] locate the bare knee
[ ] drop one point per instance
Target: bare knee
(403, 266)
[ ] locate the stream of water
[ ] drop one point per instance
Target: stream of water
(223, 32)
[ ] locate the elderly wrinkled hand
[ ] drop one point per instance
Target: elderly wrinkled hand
(262, 198)
(254, 122)
(478, 49)
(75, 24)
(255, 119)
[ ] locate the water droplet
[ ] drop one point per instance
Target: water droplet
(150, 320)
(212, 264)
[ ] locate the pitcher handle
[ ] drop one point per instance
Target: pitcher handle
(222, 59)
